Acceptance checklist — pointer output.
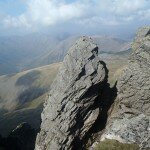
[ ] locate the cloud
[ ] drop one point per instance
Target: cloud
(46, 13)
(125, 7)
(16, 22)
(89, 13)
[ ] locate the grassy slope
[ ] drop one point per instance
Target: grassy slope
(20, 109)
(115, 64)
(115, 145)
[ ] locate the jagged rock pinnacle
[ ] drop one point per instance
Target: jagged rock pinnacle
(70, 110)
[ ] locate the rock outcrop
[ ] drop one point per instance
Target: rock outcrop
(71, 109)
(130, 119)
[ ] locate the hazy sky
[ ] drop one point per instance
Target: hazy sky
(73, 16)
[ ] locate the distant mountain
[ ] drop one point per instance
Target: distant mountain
(105, 43)
(56, 55)
(111, 44)
(19, 53)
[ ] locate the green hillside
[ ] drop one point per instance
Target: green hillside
(22, 96)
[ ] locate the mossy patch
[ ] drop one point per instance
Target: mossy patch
(115, 145)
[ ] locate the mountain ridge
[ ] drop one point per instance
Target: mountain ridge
(31, 51)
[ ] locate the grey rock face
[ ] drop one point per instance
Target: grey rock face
(130, 120)
(70, 111)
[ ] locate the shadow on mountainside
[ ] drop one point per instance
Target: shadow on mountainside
(21, 138)
(104, 102)
(28, 79)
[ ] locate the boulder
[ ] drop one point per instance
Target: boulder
(71, 108)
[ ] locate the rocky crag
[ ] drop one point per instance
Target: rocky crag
(80, 100)
(72, 107)
(129, 121)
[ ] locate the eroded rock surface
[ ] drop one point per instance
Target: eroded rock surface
(130, 120)
(70, 111)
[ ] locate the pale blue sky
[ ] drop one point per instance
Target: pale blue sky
(12, 7)
(73, 16)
